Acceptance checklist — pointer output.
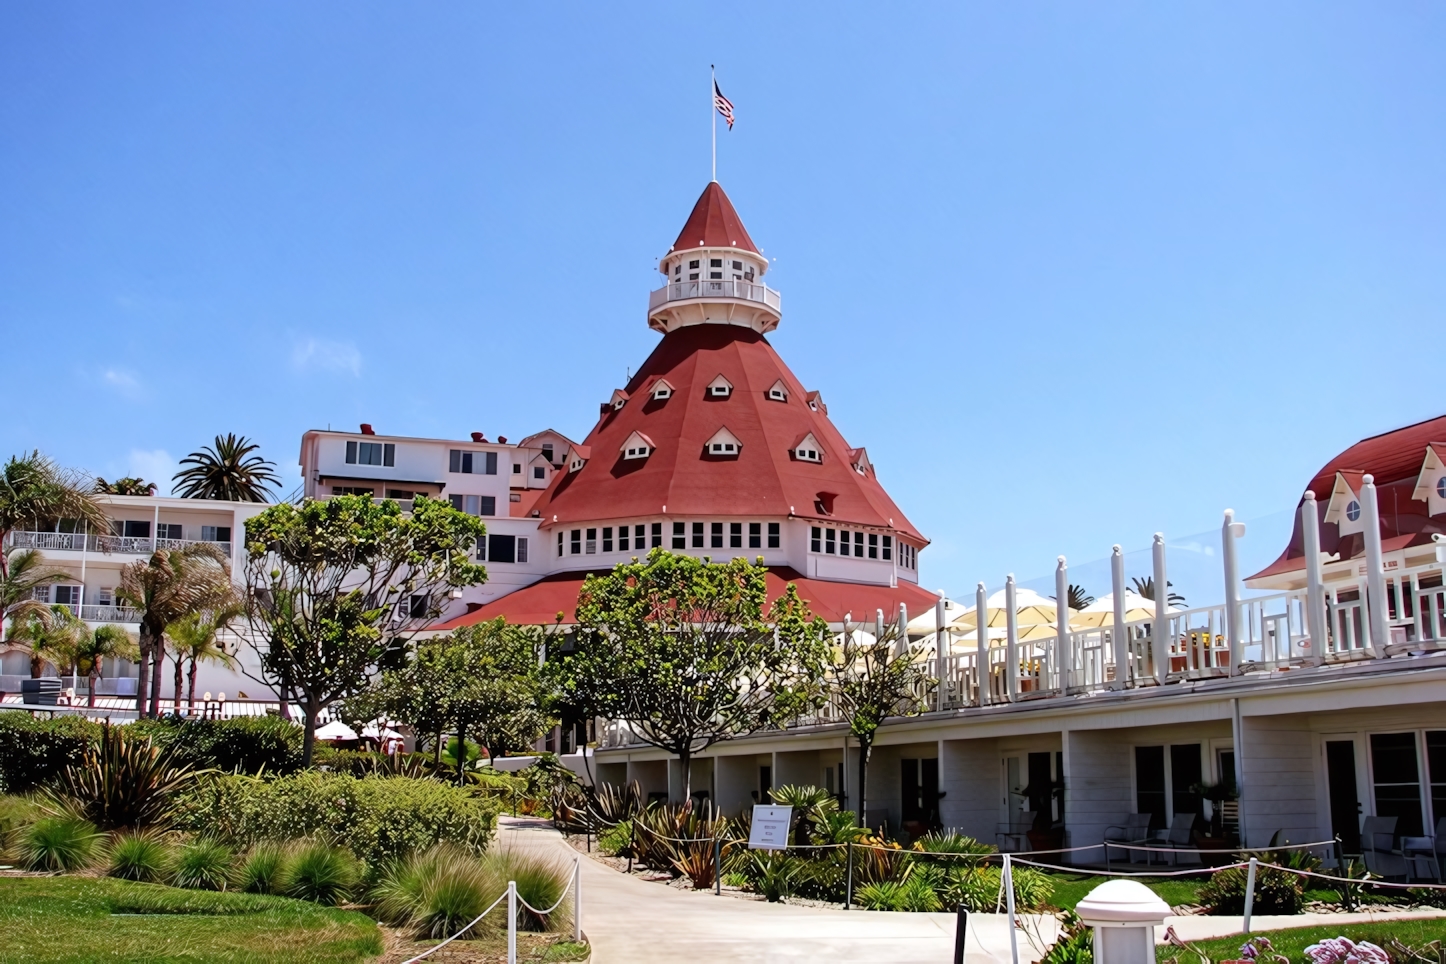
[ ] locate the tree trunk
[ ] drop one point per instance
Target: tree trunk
(37, 665)
(158, 667)
(143, 673)
(179, 662)
(308, 740)
(686, 759)
(94, 677)
(865, 748)
(191, 691)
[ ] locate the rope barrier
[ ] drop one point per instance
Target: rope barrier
(464, 930)
(1367, 881)
(543, 913)
(1132, 873)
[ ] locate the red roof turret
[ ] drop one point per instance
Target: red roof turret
(714, 224)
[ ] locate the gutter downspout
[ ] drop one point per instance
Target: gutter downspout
(1236, 728)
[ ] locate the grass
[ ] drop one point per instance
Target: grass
(1070, 889)
(1293, 942)
(73, 920)
(492, 949)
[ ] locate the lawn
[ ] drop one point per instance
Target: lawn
(1070, 889)
(1293, 942)
(75, 920)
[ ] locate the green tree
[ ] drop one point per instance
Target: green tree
(195, 639)
(1145, 589)
(681, 650)
(168, 586)
(33, 489)
(95, 645)
(126, 486)
(228, 472)
(872, 678)
(25, 571)
(51, 636)
(335, 587)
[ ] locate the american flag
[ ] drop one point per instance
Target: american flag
(724, 105)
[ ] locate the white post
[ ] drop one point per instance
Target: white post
(878, 624)
(940, 649)
(1375, 572)
(1230, 530)
(1249, 896)
(1062, 654)
(1160, 628)
(981, 658)
(904, 624)
(1009, 908)
(1119, 635)
(1315, 612)
(512, 922)
(1011, 637)
(577, 900)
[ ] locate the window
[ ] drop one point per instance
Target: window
(680, 535)
(858, 545)
(502, 548)
(514, 497)
(607, 539)
(755, 535)
(1396, 773)
(521, 548)
(489, 505)
(677, 269)
(697, 535)
(778, 392)
(490, 459)
(577, 463)
(622, 538)
(693, 264)
(215, 533)
(735, 534)
(640, 538)
(482, 549)
(404, 495)
(724, 448)
(828, 541)
(576, 541)
(773, 535)
(547, 452)
(591, 543)
(814, 543)
(662, 390)
(371, 453)
(888, 547)
(657, 540)
(417, 606)
(715, 262)
(720, 387)
(636, 452)
(460, 462)
(1150, 784)
(1441, 487)
(169, 530)
(738, 266)
(1353, 510)
(352, 490)
(873, 545)
(470, 504)
(67, 595)
(1436, 768)
(538, 472)
(516, 468)
(559, 544)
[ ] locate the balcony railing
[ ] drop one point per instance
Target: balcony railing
(75, 542)
(693, 290)
(109, 614)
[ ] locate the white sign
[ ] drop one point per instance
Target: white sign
(770, 828)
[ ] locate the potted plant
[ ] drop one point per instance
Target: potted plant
(1212, 795)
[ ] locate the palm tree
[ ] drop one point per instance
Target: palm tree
(52, 637)
(165, 588)
(33, 489)
(94, 646)
(1078, 597)
(126, 486)
(226, 473)
(193, 637)
(1145, 589)
(24, 572)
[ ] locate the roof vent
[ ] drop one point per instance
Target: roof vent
(823, 503)
(366, 429)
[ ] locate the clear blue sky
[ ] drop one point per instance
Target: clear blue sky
(1072, 272)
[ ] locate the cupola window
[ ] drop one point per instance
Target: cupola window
(1353, 511)
(662, 391)
(720, 387)
(807, 449)
(715, 265)
(693, 270)
(723, 444)
(1441, 487)
(637, 446)
(779, 392)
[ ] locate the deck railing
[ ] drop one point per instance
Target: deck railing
(76, 542)
(693, 290)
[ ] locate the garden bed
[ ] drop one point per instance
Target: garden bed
(489, 950)
(1292, 942)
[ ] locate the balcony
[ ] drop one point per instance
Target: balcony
(78, 542)
(709, 290)
(684, 303)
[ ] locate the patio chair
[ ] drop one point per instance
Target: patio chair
(1180, 836)
(1135, 829)
(1014, 837)
(1378, 847)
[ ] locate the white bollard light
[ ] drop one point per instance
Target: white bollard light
(1124, 915)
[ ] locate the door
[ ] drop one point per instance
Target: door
(1345, 805)
(1397, 778)
(1041, 790)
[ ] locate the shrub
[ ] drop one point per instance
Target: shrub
(436, 893)
(58, 843)
(540, 882)
(33, 752)
(978, 888)
(320, 873)
(379, 818)
(774, 874)
(264, 870)
(15, 812)
(123, 781)
(615, 841)
(244, 744)
(883, 895)
(138, 856)
(203, 865)
(1276, 892)
(1075, 944)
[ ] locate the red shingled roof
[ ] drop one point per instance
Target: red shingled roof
(714, 224)
(539, 603)
(764, 480)
(1394, 459)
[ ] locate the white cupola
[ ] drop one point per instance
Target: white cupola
(714, 273)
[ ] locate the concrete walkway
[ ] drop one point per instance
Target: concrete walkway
(629, 920)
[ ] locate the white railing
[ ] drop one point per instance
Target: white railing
(694, 290)
(109, 614)
(132, 545)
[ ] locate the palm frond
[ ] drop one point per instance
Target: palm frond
(228, 471)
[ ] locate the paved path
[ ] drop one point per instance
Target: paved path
(630, 920)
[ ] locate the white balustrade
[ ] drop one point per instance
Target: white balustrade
(703, 290)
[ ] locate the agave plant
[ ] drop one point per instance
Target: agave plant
(123, 782)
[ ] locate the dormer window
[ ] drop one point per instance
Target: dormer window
(807, 449)
(779, 392)
(577, 457)
(637, 446)
(1353, 511)
(723, 445)
(575, 464)
(1441, 487)
(662, 391)
(720, 387)
(619, 399)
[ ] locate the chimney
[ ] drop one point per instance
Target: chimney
(366, 429)
(472, 607)
(501, 440)
(479, 436)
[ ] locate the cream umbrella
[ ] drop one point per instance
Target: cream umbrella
(1035, 619)
(1101, 612)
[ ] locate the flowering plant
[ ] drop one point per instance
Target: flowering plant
(1342, 950)
(1259, 949)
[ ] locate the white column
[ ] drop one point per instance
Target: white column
(1160, 628)
(1375, 572)
(1231, 530)
(1061, 618)
(878, 624)
(904, 623)
(1119, 635)
(981, 659)
(1011, 637)
(941, 647)
(1315, 611)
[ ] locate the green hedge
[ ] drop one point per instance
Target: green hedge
(33, 750)
(245, 744)
(377, 818)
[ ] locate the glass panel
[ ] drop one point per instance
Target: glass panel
(1397, 777)
(1185, 773)
(1150, 784)
(1436, 767)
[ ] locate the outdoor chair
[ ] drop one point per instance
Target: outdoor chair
(1014, 837)
(1134, 830)
(1420, 857)
(1378, 847)
(1179, 836)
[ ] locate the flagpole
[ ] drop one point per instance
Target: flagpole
(713, 113)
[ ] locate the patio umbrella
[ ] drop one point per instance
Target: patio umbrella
(1034, 618)
(334, 731)
(375, 731)
(1101, 612)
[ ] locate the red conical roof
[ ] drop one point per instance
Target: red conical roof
(764, 480)
(714, 224)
